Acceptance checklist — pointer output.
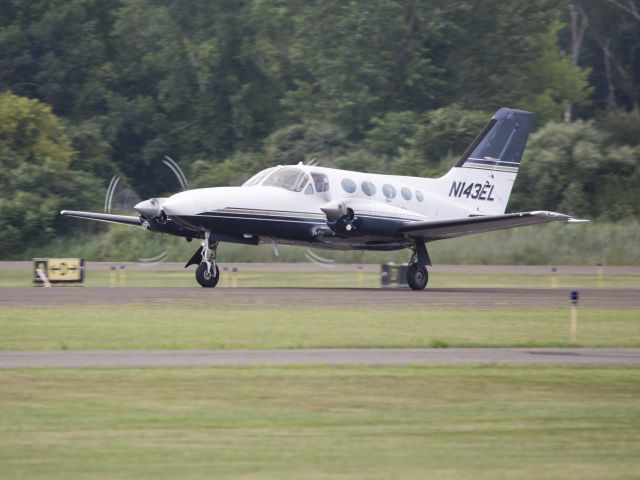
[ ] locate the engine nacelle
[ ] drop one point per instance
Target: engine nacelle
(346, 224)
(358, 217)
(335, 210)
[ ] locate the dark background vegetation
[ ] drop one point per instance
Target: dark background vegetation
(94, 88)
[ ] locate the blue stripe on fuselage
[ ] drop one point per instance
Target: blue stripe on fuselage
(292, 227)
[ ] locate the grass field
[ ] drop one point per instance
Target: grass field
(552, 244)
(317, 422)
(328, 278)
(197, 327)
(321, 422)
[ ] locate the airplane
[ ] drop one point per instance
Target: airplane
(329, 208)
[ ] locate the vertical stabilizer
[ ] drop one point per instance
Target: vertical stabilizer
(483, 177)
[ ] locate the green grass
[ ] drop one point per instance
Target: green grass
(197, 327)
(552, 244)
(321, 422)
(328, 278)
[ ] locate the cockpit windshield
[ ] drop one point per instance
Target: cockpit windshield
(258, 177)
(288, 178)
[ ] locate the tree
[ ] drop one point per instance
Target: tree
(36, 180)
(569, 167)
(620, 127)
(503, 53)
(424, 144)
(52, 50)
(611, 50)
(446, 132)
(309, 141)
(358, 60)
(391, 132)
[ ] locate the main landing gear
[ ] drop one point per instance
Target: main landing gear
(207, 273)
(417, 275)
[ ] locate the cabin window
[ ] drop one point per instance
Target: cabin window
(389, 191)
(258, 177)
(406, 193)
(348, 185)
(288, 178)
(419, 196)
(321, 182)
(368, 188)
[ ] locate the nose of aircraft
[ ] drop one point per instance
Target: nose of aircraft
(173, 205)
(189, 202)
(150, 208)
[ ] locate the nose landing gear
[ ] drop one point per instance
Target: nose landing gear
(208, 273)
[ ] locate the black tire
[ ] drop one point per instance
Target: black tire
(417, 276)
(205, 277)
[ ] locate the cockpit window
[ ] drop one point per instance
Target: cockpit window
(321, 182)
(258, 177)
(288, 178)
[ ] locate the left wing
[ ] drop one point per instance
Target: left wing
(439, 229)
(103, 217)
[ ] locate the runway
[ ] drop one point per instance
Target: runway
(346, 267)
(365, 357)
(320, 297)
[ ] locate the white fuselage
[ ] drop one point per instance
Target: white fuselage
(289, 210)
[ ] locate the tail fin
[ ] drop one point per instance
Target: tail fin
(483, 177)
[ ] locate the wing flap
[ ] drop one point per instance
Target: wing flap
(440, 229)
(103, 217)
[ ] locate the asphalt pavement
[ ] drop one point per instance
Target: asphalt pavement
(322, 297)
(338, 356)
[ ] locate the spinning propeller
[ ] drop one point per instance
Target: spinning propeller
(122, 197)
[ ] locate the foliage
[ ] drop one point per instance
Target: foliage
(31, 133)
(602, 182)
(305, 142)
(227, 88)
(502, 53)
(551, 81)
(554, 244)
(392, 132)
(36, 180)
(620, 127)
(610, 52)
(408, 143)
(361, 59)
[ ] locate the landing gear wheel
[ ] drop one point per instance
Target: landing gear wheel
(417, 276)
(205, 277)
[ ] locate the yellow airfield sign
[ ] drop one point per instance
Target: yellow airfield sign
(58, 270)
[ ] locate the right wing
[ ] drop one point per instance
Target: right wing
(103, 217)
(430, 230)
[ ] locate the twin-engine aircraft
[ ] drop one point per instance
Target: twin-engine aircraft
(337, 209)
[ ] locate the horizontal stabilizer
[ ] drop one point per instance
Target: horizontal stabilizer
(103, 217)
(439, 229)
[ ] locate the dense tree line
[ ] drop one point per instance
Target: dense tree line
(91, 88)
